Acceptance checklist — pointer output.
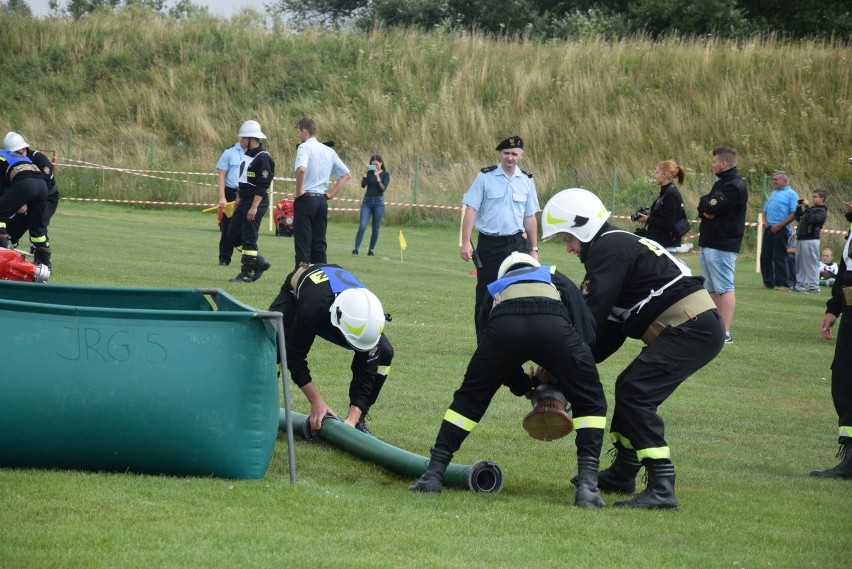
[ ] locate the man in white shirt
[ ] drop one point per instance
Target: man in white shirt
(316, 163)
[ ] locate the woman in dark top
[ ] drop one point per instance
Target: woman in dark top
(376, 179)
(668, 207)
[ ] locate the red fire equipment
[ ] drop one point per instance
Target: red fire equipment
(284, 218)
(15, 267)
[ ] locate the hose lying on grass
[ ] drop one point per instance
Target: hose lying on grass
(481, 476)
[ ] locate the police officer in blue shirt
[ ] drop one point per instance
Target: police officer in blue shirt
(228, 172)
(501, 204)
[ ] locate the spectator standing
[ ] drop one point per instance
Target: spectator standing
(228, 174)
(501, 204)
(779, 211)
(19, 225)
(376, 179)
(328, 301)
(827, 268)
(315, 164)
(810, 218)
(840, 306)
(667, 209)
(722, 212)
(636, 289)
(537, 315)
(256, 173)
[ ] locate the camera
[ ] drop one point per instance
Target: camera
(371, 166)
(639, 211)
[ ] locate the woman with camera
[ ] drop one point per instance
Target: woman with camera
(376, 179)
(666, 222)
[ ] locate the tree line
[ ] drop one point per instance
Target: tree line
(535, 19)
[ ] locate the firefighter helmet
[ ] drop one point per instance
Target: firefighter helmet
(576, 211)
(14, 142)
(251, 129)
(515, 259)
(359, 315)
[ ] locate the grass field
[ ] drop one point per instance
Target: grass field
(744, 433)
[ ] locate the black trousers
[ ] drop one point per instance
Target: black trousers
(508, 342)
(656, 372)
(32, 192)
(492, 251)
(310, 222)
(226, 246)
(243, 232)
(841, 371)
(773, 259)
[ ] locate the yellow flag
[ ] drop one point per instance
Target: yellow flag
(403, 245)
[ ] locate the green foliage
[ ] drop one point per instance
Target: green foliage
(18, 8)
(744, 432)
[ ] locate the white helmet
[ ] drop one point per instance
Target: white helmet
(251, 129)
(576, 211)
(14, 142)
(359, 315)
(516, 258)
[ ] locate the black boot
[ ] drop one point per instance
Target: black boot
(431, 480)
(260, 267)
(588, 494)
(842, 470)
(620, 477)
(41, 256)
(660, 490)
(246, 270)
(361, 425)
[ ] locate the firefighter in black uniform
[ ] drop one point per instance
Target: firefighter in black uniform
(22, 184)
(17, 226)
(636, 289)
(538, 315)
(330, 302)
(256, 173)
(839, 304)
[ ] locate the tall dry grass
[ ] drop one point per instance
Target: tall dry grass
(137, 90)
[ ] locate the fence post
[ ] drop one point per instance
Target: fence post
(614, 187)
(153, 152)
(416, 179)
(68, 144)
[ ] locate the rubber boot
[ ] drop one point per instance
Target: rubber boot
(660, 490)
(620, 477)
(588, 494)
(432, 479)
(246, 270)
(41, 256)
(260, 267)
(842, 470)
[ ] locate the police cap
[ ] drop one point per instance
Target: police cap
(511, 142)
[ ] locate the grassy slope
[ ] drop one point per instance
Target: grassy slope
(744, 432)
(137, 91)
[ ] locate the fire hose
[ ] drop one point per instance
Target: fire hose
(481, 476)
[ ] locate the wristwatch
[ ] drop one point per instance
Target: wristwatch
(534, 249)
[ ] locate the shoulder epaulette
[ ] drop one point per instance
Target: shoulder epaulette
(529, 174)
(489, 169)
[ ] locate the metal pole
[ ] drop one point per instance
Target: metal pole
(278, 324)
